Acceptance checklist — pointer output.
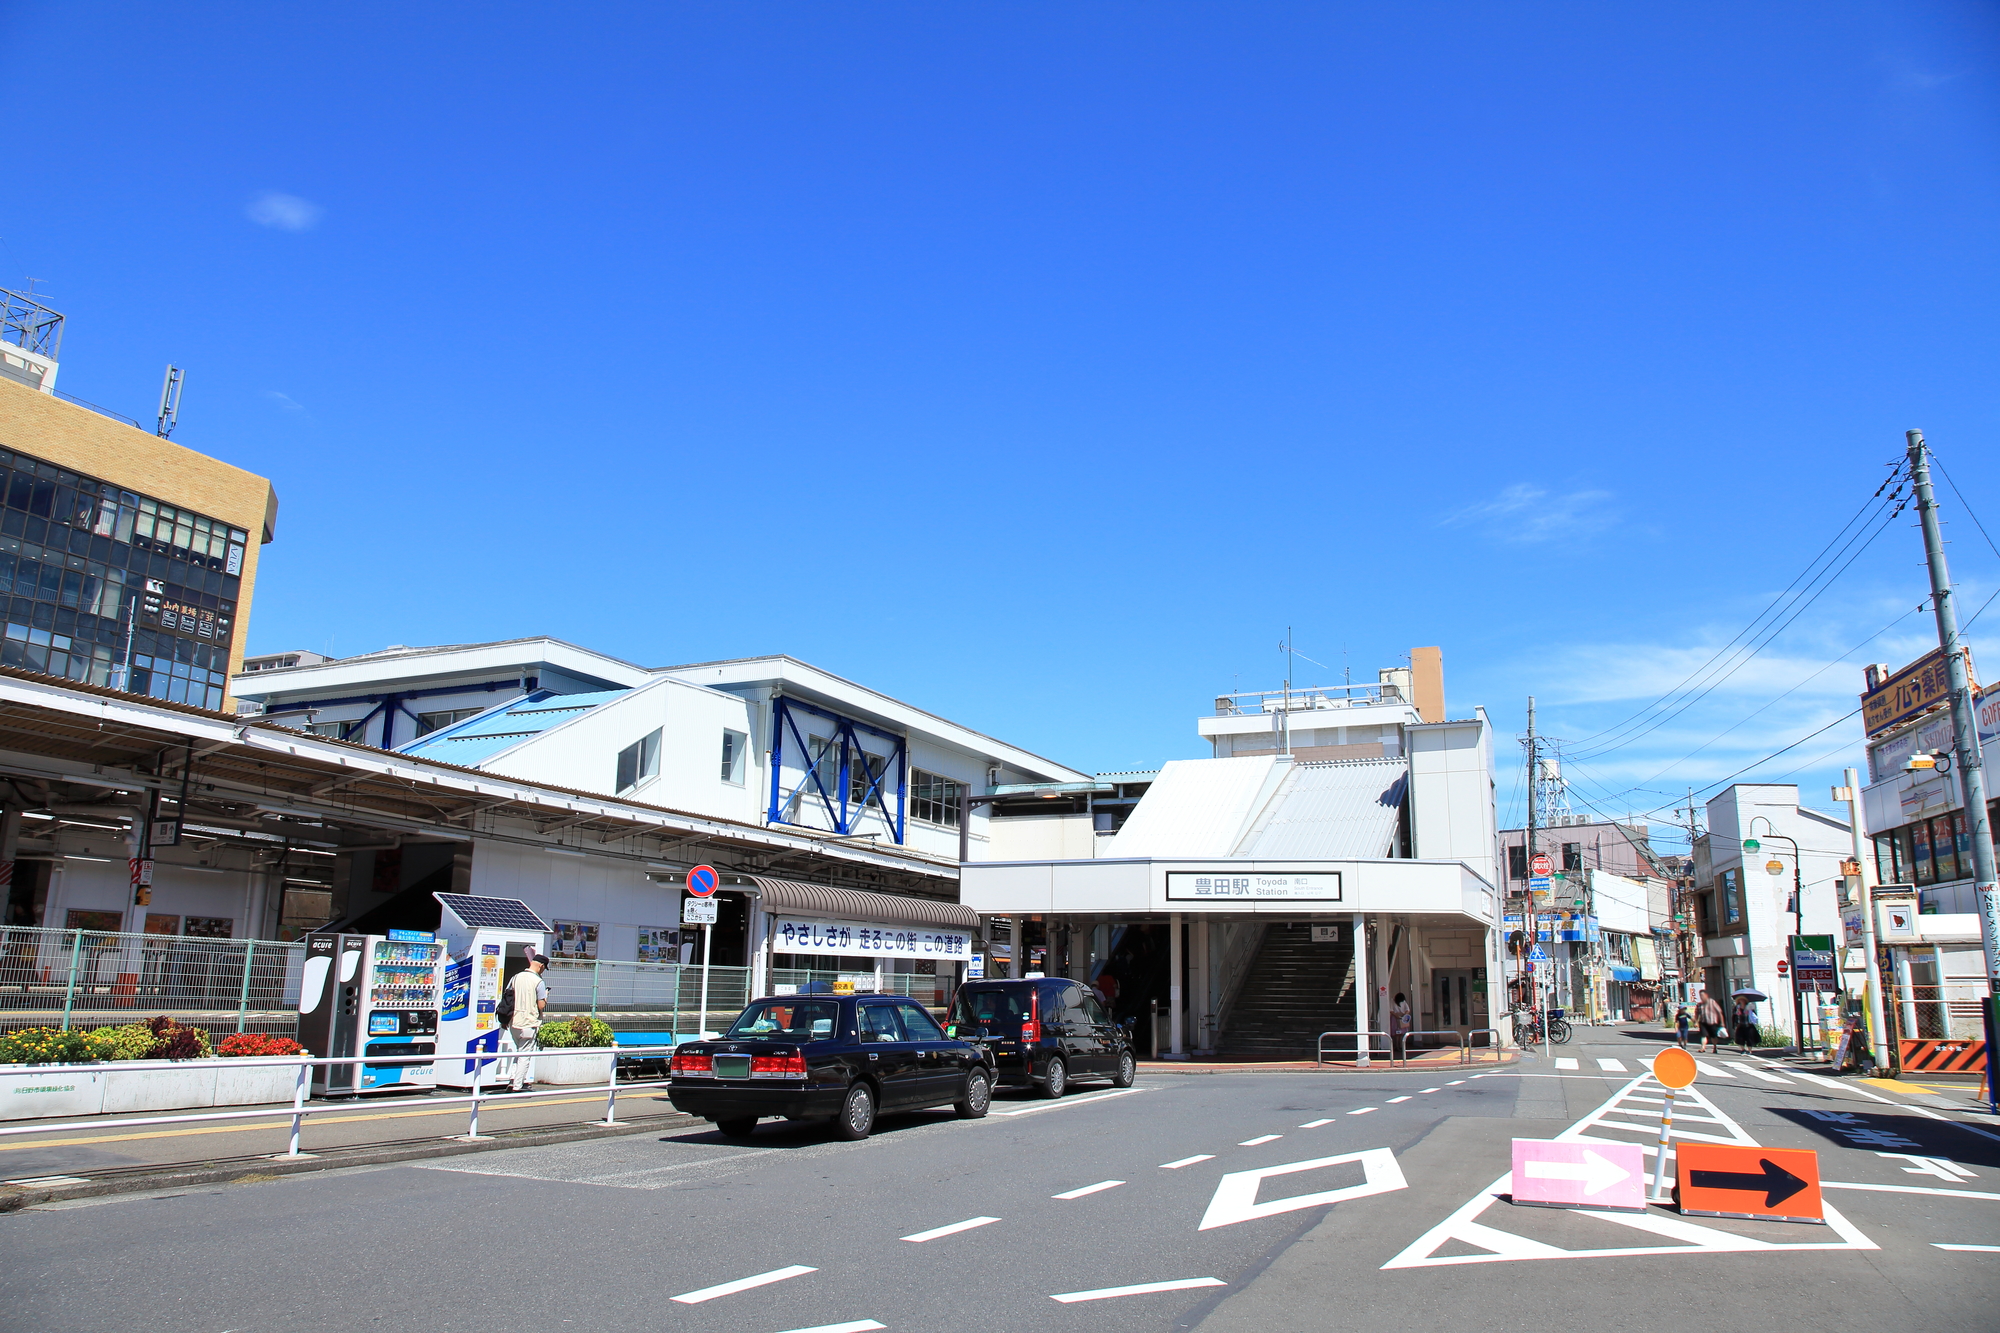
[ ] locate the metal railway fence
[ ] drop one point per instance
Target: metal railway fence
(95, 978)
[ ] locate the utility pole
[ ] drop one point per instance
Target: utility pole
(1533, 916)
(1862, 889)
(1965, 754)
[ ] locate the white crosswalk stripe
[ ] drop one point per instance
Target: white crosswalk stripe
(1755, 1072)
(1611, 1066)
(1565, 1062)
(1713, 1071)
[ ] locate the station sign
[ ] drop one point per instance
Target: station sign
(1321, 886)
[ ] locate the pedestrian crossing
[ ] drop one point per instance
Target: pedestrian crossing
(1755, 1072)
(1611, 1066)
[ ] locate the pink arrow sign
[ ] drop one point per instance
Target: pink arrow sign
(1579, 1175)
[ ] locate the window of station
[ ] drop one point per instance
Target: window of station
(933, 799)
(639, 761)
(102, 585)
(734, 743)
(429, 722)
(864, 774)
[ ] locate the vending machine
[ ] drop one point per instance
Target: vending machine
(485, 942)
(370, 995)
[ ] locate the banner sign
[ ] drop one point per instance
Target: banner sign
(1209, 886)
(871, 941)
(1921, 685)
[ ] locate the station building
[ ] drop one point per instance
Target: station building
(1337, 851)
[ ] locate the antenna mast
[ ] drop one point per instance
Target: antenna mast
(170, 401)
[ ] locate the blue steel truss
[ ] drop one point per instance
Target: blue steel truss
(841, 812)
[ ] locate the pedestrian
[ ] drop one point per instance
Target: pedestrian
(1709, 1014)
(522, 1035)
(1681, 1027)
(1399, 1026)
(1744, 1023)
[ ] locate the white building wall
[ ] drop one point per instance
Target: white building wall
(1451, 793)
(1042, 838)
(617, 895)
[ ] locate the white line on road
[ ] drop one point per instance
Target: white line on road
(1315, 1124)
(1394, 1100)
(1565, 1062)
(1610, 1066)
(851, 1326)
(1755, 1072)
(1261, 1138)
(1140, 1289)
(952, 1230)
(1426, 1090)
(1973, 1249)
(1713, 1071)
(1187, 1161)
(1089, 1189)
(1904, 1189)
(1076, 1101)
(743, 1284)
(1454, 1083)
(1363, 1111)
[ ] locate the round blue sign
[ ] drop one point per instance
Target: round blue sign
(703, 881)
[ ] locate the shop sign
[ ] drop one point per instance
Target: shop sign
(871, 941)
(1208, 886)
(1923, 684)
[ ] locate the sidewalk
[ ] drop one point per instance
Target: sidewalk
(77, 1162)
(1223, 1064)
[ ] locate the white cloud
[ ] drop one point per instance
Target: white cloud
(286, 212)
(1524, 513)
(285, 400)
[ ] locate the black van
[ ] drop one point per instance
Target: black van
(1043, 1033)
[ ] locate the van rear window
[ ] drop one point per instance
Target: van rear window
(992, 1008)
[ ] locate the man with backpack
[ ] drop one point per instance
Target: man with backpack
(520, 1014)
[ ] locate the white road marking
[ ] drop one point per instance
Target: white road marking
(1454, 1083)
(1713, 1071)
(1816, 1080)
(1755, 1072)
(1610, 1066)
(46, 1182)
(1973, 1249)
(1089, 1189)
(1426, 1090)
(1394, 1100)
(1904, 1189)
(1139, 1289)
(743, 1284)
(851, 1326)
(1076, 1101)
(952, 1230)
(1187, 1161)
(1565, 1062)
(1315, 1124)
(1261, 1138)
(1235, 1197)
(1363, 1111)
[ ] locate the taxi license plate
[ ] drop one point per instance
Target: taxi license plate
(732, 1066)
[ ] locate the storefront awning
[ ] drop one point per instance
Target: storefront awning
(889, 909)
(1620, 972)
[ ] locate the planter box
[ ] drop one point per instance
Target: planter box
(563, 1070)
(40, 1092)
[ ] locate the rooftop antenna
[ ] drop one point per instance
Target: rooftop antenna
(170, 401)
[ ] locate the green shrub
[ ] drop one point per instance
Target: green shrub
(133, 1041)
(1773, 1037)
(45, 1046)
(583, 1030)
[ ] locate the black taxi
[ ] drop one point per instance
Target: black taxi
(843, 1058)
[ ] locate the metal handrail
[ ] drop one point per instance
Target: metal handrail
(305, 1063)
(1458, 1038)
(1388, 1051)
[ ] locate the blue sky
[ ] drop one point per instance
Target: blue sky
(1040, 364)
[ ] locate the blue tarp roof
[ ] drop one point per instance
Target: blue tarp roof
(502, 728)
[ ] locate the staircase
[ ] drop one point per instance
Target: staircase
(1295, 990)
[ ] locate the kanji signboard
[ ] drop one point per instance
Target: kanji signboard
(1922, 684)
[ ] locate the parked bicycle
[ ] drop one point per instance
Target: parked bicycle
(1528, 1028)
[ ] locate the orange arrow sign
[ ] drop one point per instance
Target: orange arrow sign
(1724, 1180)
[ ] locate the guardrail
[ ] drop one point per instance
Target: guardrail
(1360, 1056)
(304, 1064)
(1457, 1037)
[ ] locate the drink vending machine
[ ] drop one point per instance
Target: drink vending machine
(485, 941)
(371, 995)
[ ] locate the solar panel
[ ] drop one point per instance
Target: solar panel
(499, 913)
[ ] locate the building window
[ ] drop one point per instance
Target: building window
(1729, 886)
(1945, 861)
(429, 722)
(1920, 854)
(337, 730)
(864, 773)
(639, 761)
(733, 743)
(1572, 856)
(1517, 862)
(933, 799)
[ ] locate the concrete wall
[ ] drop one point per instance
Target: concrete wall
(616, 895)
(1451, 794)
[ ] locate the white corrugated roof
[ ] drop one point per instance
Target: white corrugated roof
(1330, 811)
(1198, 807)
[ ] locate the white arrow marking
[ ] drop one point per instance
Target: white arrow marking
(1235, 1198)
(1594, 1171)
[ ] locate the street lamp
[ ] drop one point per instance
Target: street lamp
(1751, 844)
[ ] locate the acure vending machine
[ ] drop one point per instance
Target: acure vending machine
(370, 995)
(486, 941)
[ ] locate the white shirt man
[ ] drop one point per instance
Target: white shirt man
(523, 1031)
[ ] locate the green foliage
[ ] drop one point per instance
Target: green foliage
(133, 1041)
(175, 1042)
(583, 1030)
(1773, 1037)
(45, 1046)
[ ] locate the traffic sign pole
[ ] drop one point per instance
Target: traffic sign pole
(702, 883)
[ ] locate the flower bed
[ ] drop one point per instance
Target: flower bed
(554, 1067)
(49, 1072)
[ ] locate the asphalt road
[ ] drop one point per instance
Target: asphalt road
(1376, 1208)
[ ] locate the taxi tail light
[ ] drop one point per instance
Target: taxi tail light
(1031, 1026)
(691, 1064)
(792, 1065)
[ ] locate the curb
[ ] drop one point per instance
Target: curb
(1307, 1067)
(250, 1170)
